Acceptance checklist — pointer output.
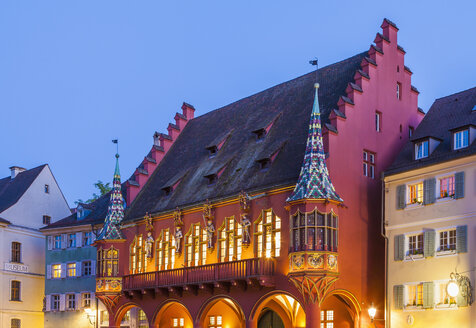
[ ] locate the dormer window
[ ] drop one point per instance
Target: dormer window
(212, 151)
(167, 190)
(260, 134)
(461, 139)
(264, 163)
(212, 179)
(421, 149)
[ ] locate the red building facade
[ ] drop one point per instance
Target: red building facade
(217, 236)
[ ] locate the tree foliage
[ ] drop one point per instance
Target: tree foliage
(102, 188)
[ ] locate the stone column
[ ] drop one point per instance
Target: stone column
(313, 315)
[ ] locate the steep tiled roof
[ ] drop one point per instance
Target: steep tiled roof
(288, 105)
(96, 216)
(11, 190)
(445, 114)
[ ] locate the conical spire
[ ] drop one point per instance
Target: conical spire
(314, 181)
(115, 210)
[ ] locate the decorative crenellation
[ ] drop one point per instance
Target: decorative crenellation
(162, 144)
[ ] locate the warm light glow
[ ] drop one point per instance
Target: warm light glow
(372, 312)
(452, 288)
(88, 311)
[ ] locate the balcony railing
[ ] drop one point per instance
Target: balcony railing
(257, 269)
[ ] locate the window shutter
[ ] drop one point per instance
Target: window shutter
(48, 303)
(50, 243)
(79, 239)
(63, 270)
(78, 269)
(401, 197)
(78, 301)
(48, 271)
(62, 302)
(63, 241)
(460, 299)
(429, 190)
(398, 296)
(428, 295)
(461, 239)
(429, 243)
(459, 185)
(93, 267)
(399, 248)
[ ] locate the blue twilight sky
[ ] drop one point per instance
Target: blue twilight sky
(76, 74)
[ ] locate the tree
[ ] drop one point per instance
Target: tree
(103, 189)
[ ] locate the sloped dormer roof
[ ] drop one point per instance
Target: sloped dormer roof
(11, 190)
(290, 103)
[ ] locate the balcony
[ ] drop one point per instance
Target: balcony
(256, 271)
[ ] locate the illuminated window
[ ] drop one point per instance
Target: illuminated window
(447, 187)
(327, 319)
(71, 301)
(178, 322)
(137, 255)
(368, 164)
(461, 139)
(108, 262)
(105, 317)
(447, 240)
(415, 295)
(165, 250)
(268, 235)
(71, 270)
(15, 323)
(421, 149)
(143, 320)
(215, 321)
(16, 252)
(415, 193)
(196, 246)
(56, 271)
(230, 239)
(415, 244)
(15, 290)
(314, 231)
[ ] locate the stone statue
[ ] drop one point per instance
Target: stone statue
(178, 239)
(149, 243)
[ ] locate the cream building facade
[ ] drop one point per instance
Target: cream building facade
(430, 220)
(29, 199)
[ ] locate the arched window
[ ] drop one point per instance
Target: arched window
(108, 262)
(137, 255)
(165, 250)
(314, 231)
(268, 235)
(230, 237)
(196, 246)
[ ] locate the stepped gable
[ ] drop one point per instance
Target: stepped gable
(11, 190)
(286, 107)
(444, 115)
(162, 144)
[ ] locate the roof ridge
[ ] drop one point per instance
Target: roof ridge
(456, 93)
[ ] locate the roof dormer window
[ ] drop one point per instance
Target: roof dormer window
(264, 163)
(461, 139)
(212, 179)
(212, 151)
(260, 134)
(421, 149)
(167, 190)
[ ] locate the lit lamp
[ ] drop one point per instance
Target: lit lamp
(91, 315)
(452, 288)
(372, 312)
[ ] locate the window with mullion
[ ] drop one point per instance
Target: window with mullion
(268, 235)
(448, 240)
(196, 246)
(415, 244)
(230, 240)
(15, 290)
(165, 251)
(314, 231)
(16, 252)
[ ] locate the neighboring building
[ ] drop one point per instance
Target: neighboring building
(430, 218)
(227, 232)
(29, 199)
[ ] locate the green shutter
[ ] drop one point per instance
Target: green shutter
(399, 248)
(401, 197)
(429, 243)
(459, 185)
(429, 190)
(398, 296)
(428, 295)
(461, 239)
(461, 299)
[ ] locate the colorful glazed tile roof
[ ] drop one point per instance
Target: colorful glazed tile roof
(115, 211)
(314, 181)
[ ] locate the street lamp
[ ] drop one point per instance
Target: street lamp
(452, 288)
(91, 315)
(372, 311)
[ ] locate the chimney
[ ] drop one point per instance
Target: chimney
(15, 170)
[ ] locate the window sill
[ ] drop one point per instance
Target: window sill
(16, 301)
(446, 307)
(414, 206)
(411, 258)
(414, 308)
(446, 253)
(444, 200)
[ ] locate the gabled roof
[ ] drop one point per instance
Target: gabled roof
(446, 114)
(292, 100)
(11, 190)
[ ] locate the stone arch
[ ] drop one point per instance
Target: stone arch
(215, 306)
(344, 300)
(283, 303)
(128, 307)
(170, 309)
